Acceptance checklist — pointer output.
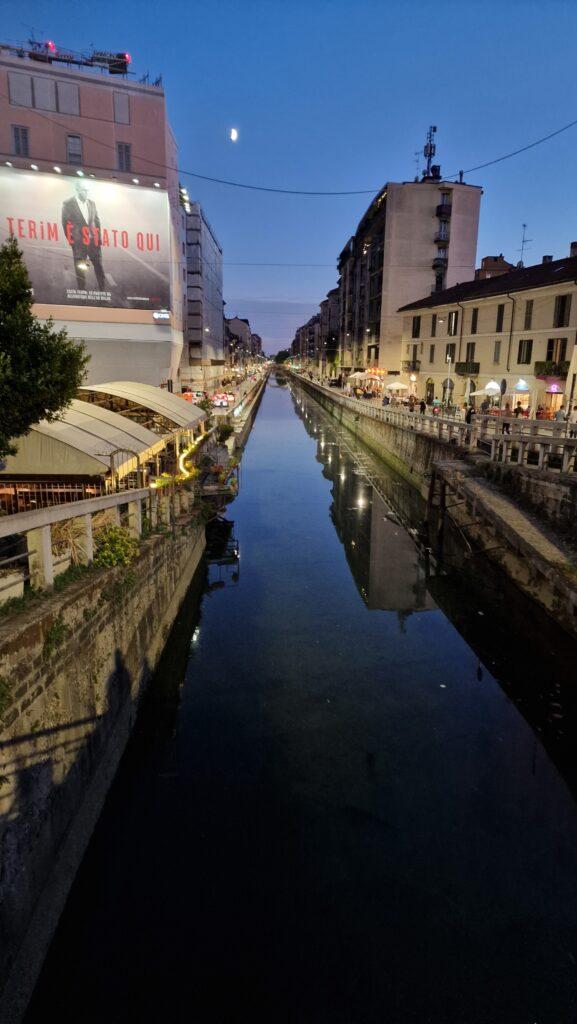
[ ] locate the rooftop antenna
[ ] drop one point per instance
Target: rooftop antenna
(417, 162)
(429, 150)
(524, 244)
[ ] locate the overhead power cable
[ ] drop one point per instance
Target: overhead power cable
(292, 191)
(515, 152)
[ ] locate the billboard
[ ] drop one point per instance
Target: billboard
(88, 242)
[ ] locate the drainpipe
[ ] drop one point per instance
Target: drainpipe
(509, 296)
(462, 308)
(510, 332)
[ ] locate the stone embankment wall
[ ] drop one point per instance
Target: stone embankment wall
(72, 670)
(243, 423)
(408, 452)
(552, 497)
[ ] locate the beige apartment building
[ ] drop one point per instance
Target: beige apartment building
(416, 238)
(70, 122)
(516, 330)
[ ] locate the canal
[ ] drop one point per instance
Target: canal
(350, 794)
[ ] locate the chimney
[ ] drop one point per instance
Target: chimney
(573, 249)
(547, 259)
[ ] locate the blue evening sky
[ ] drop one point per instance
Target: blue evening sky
(337, 94)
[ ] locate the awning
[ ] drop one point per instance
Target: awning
(166, 404)
(82, 443)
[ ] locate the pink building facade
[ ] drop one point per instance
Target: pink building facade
(89, 124)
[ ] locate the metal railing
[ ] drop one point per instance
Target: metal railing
(537, 444)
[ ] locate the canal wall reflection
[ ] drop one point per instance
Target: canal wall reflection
(532, 660)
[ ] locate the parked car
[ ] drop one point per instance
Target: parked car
(334, 382)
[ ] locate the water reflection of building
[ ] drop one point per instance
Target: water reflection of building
(384, 561)
(396, 571)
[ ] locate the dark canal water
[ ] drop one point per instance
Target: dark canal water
(349, 798)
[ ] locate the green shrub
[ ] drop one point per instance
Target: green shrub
(115, 545)
(224, 432)
(56, 634)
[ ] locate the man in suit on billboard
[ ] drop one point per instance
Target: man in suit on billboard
(81, 225)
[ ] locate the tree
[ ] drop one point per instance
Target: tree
(40, 369)
(282, 355)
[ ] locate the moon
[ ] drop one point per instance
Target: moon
(233, 134)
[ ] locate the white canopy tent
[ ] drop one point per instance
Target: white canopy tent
(82, 443)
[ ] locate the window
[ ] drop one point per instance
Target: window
(453, 323)
(123, 155)
(528, 315)
(562, 311)
(450, 351)
(434, 325)
(525, 350)
(44, 93)
(431, 353)
(20, 87)
(68, 100)
(20, 141)
(556, 350)
(497, 352)
(500, 317)
(474, 319)
(470, 353)
(121, 108)
(416, 330)
(74, 149)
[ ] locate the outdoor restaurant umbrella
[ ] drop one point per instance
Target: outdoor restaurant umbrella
(356, 376)
(490, 390)
(397, 386)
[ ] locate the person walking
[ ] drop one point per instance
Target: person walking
(573, 422)
(560, 415)
(518, 410)
(422, 407)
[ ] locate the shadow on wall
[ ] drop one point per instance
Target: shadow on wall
(45, 774)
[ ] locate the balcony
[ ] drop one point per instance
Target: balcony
(442, 239)
(440, 262)
(548, 368)
(467, 369)
(443, 211)
(411, 365)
